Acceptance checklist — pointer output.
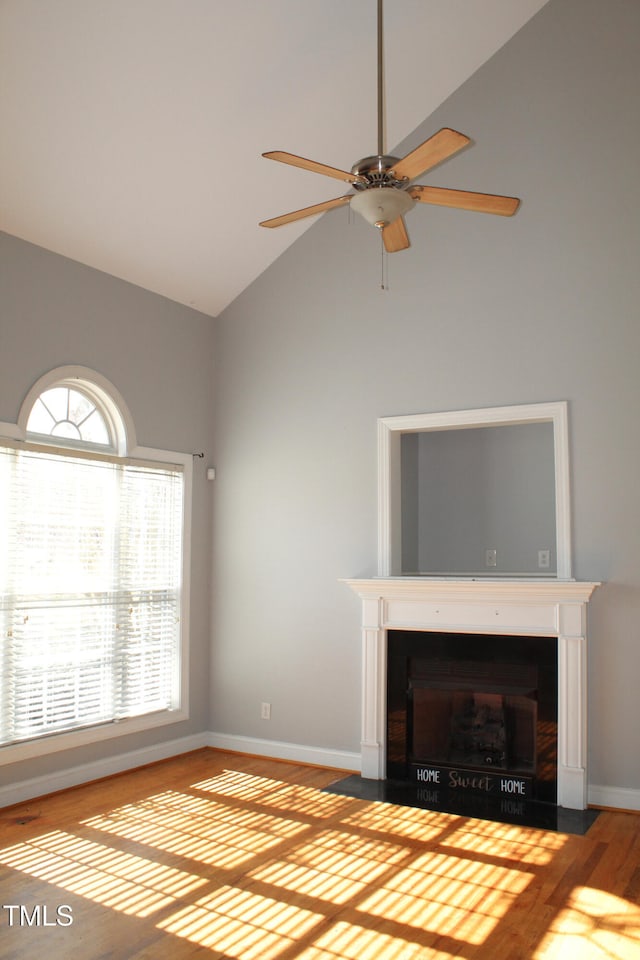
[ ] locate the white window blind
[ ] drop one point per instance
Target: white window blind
(90, 589)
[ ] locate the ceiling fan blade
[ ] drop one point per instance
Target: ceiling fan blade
(314, 167)
(306, 212)
(395, 237)
(466, 200)
(437, 148)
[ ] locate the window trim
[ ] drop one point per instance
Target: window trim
(67, 740)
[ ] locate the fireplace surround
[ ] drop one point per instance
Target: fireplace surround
(514, 610)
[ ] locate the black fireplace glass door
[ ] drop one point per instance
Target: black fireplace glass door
(473, 703)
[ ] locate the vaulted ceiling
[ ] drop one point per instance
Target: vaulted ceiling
(132, 129)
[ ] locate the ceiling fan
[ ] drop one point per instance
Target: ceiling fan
(383, 186)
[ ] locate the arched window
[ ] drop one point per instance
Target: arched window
(92, 553)
(75, 406)
(69, 413)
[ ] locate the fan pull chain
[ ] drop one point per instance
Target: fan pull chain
(384, 262)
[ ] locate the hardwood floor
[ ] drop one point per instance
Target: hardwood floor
(223, 856)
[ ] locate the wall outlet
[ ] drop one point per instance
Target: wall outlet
(265, 711)
(491, 558)
(543, 559)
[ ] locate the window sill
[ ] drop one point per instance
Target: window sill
(42, 746)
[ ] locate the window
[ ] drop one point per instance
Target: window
(91, 574)
(69, 413)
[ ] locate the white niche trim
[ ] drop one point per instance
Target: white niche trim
(390, 430)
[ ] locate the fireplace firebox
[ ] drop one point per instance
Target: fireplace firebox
(469, 713)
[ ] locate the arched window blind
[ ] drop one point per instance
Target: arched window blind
(90, 588)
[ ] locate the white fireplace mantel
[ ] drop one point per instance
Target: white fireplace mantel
(515, 607)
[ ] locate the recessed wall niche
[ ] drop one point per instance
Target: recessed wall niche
(475, 493)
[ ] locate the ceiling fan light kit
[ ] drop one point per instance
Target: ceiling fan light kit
(380, 206)
(383, 191)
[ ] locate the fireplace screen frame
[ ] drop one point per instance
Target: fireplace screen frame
(506, 666)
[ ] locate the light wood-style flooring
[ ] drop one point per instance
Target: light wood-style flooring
(214, 855)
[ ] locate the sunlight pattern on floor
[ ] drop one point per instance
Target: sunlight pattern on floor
(292, 798)
(500, 840)
(348, 941)
(206, 831)
(449, 896)
(119, 880)
(243, 924)
(593, 926)
(249, 867)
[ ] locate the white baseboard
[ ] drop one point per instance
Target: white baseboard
(622, 798)
(73, 776)
(280, 750)
(95, 770)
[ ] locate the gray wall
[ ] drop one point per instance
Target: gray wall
(481, 311)
(159, 356)
(467, 491)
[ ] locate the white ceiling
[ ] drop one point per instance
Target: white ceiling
(132, 129)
